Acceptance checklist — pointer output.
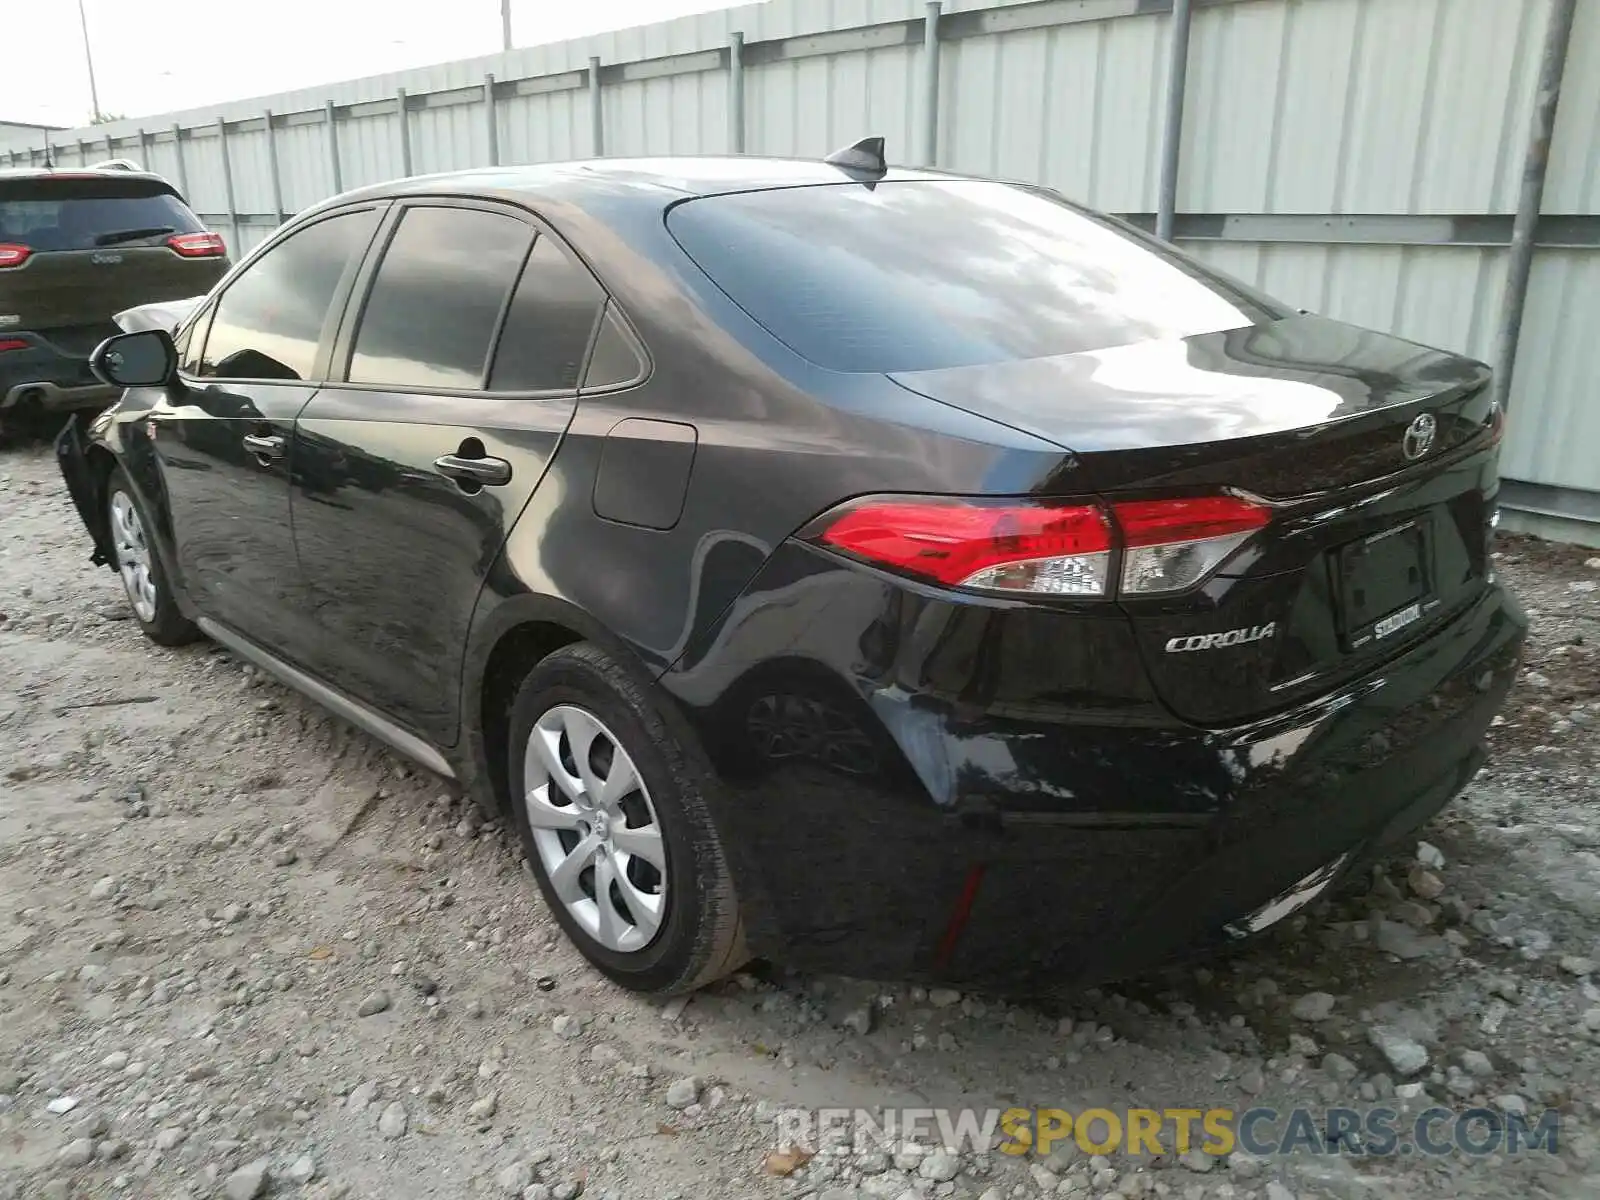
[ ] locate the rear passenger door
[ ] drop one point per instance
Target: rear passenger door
(458, 371)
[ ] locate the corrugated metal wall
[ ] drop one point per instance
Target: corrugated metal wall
(1356, 157)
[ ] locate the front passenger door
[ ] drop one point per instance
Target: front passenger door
(222, 437)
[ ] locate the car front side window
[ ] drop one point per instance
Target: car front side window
(268, 325)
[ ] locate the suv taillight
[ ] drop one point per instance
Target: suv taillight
(1057, 548)
(198, 245)
(13, 254)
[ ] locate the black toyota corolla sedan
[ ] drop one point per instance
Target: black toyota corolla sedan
(878, 570)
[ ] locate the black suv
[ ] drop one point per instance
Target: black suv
(76, 248)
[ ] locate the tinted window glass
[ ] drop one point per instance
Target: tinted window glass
(547, 331)
(81, 214)
(267, 324)
(437, 298)
(613, 360)
(912, 276)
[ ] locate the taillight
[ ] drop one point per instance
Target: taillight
(1058, 548)
(13, 344)
(1174, 544)
(13, 254)
(1008, 545)
(198, 245)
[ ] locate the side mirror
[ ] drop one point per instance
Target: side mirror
(143, 359)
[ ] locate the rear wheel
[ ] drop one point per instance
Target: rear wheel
(143, 579)
(613, 817)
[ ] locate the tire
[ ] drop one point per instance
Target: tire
(673, 925)
(144, 580)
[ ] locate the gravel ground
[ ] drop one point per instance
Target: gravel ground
(250, 952)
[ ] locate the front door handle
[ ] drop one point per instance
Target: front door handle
(264, 446)
(485, 472)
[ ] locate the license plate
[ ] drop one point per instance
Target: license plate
(1384, 582)
(1397, 620)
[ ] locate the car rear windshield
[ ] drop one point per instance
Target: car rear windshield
(62, 213)
(917, 275)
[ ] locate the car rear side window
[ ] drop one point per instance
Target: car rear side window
(437, 298)
(63, 213)
(268, 324)
(548, 327)
(916, 275)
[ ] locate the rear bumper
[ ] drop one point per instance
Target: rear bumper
(44, 377)
(52, 397)
(980, 831)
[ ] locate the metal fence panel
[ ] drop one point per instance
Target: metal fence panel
(1360, 158)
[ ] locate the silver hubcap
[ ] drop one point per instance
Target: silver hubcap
(133, 556)
(595, 829)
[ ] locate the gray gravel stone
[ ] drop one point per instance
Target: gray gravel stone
(103, 887)
(1337, 1066)
(567, 1026)
(1403, 941)
(515, 1178)
(537, 1192)
(394, 1121)
(248, 1182)
(79, 1152)
(373, 1004)
(941, 1166)
(303, 1170)
(1313, 1006)
(484, 1107)
(1405, 1055)
(683, 1092)
(1476, 1063)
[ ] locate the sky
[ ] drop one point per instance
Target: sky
(154, 56)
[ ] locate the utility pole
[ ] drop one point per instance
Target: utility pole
(88, 57)
(505, 24)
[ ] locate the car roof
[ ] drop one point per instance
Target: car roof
(123, 173)
(656, 182)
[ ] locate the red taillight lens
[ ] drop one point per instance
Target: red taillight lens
(13, 344)
(1174, 544)
(1058, 549)
(13, 254)
(198, 245)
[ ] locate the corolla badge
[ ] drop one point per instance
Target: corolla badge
(1216, 641)
(1419, 436)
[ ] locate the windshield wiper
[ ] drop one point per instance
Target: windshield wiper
(132, 235)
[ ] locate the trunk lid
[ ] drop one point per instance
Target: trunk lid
(1376, 537)
(66, 289)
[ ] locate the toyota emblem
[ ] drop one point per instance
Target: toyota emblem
(1419, 437)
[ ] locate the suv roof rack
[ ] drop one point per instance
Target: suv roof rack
(117, 164)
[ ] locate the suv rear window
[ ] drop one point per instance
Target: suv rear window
(917, 275)
(63, 213)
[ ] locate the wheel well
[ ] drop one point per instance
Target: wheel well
(517, 652)
(101, 463)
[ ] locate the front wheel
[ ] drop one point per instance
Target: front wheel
(144, 580)
(615, 824)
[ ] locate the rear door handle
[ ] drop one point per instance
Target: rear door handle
(486, 472)
(269, 446)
